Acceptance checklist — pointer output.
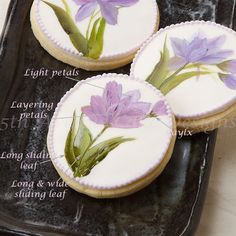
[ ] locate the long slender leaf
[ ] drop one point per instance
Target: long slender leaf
(161, 70)
(69, 26)
(98, 153)
(175, 81)
(93, 35)
(69, 147)
(83, 139)
(96, 40)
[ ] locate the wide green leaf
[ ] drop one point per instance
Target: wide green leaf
(96, 39)
(96, 154)
(167, 86)
(69, 147)
(69, 26)
(161, 70)
(83, 139)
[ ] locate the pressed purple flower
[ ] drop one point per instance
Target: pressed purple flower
(200, 50)
(108, 8)
(229, 80)
(228, 66)
(116, 109)
(159, 109)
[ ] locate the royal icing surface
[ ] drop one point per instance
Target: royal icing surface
(199, 96)
(135, 25)
(131, 160)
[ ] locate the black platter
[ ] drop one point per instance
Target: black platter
(170, 206)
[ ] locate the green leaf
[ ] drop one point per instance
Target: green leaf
(175, 81)
(98, 153)
(69, 26)
(161, 70)
(83, 139)
(69, 148)
(96, 39)
(92, 38)
(224, 65)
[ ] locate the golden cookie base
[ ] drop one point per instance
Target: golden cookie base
(208, 123)
(78, 61)
(125, 190)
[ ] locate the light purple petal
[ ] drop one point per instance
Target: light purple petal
(116, 109)
(201, 49)
(228, 66)
(85, 11)
(97, 110)
(98, 105)
(133, 95)
(97, 118)
(232, 66)
(126, 122)
(196, 50)
(109, 12)
(112, 93)
(217, 42)
(143, 107)
(176, 62)
(130, 115)
(123, 3)
(179, 46)
(82, 2)
(216, 57)
(160, 109)
(229, 80)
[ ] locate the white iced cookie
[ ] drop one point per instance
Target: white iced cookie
(194, 65)
(111, 135)
(94, 35)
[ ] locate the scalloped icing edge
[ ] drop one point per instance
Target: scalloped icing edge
(204, 114)
(67, 171)
(80, 55)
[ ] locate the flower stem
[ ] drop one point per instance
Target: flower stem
(66, 7)
(91, 144)
(90, 23)
(172, 76)
(99, 135)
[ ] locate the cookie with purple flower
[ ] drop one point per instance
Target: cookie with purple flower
(111, 135)
(194, 65)
(94, 34)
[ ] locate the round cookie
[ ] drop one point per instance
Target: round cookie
(94, 40)
(111, 136)
(194, 65)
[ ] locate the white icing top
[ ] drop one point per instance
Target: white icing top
(128, 162)
(195, 97)
(135, 25)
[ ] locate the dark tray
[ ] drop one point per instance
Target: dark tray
(170, 206)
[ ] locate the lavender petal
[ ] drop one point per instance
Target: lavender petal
(229, 80)
(123, 3)
(228, 66)
(216, 57)
(82, 2)
(109, 12)
(133, 95)
(176, 62)
(179, 46)
(160, 109)
(217, 42)
(112, 93)
(196, 50)
(85, 11)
